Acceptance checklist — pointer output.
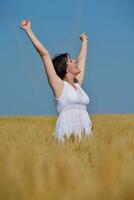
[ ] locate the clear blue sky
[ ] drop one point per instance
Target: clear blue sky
(109, 77)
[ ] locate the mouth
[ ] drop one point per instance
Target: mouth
(78, 68)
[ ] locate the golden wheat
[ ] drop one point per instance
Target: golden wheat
(33, 166)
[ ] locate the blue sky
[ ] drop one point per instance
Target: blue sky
(109, 81)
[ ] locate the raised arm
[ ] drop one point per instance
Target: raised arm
(53, 79)
(82, 57)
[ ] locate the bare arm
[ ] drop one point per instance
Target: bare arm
(82, 57)
(53, 79)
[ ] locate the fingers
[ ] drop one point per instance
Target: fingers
(24, 23)
(83, 36)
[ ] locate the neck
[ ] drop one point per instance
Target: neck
(69, 79)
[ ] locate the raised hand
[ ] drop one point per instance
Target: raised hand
(83, 36)
(25, 25)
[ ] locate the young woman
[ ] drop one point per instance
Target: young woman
(65, 76)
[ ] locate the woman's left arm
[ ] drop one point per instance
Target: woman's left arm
(82, 57)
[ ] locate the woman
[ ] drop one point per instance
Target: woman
(65, 76)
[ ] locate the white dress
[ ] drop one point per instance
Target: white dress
(73, 116)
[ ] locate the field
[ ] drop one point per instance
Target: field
(33, 166)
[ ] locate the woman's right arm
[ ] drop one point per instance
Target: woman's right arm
(53, 79)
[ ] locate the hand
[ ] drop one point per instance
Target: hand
(83, 37)
(25, 25)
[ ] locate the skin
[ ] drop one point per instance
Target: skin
(72, 71)
(75, 67)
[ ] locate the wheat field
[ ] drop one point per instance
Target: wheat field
(33, 166)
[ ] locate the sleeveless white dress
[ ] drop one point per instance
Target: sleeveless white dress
(73, 116)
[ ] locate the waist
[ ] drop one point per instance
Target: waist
(74, 107)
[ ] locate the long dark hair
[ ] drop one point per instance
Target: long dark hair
(60, 65)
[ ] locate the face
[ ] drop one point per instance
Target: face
(72, 66)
